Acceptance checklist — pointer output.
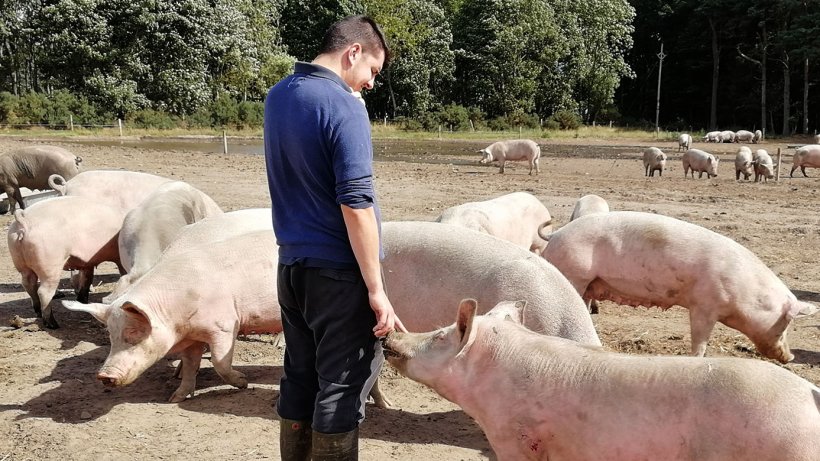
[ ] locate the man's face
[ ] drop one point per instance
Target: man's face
(364, 66)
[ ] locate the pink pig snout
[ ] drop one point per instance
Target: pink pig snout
(109, 379)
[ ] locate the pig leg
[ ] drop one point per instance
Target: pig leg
(189, 366)
(802, 169)
(19, 197)
(221, 358)
(537, 166)
(501, 166)
(46, 290)
(86, 277)
(29, 281)
(379, 398)
(700, 329)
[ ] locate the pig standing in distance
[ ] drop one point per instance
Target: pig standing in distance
(758, 137)
(644, 259)
(541, 397)
(727, 136)
(700, 161)
(518, 149)
(589, 204)
(712, 136)
(31, 167)
(62, 233)
(684, 142)
(150, 227)
(122, 189)
(745, 136)
(204, 296)
(653, 159)
(817, 139)
(764, 166)
(744, 163)
(518, 217)
(806, 156)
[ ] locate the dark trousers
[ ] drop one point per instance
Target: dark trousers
(332, 357)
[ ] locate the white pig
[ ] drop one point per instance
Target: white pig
(518, 217)
(62, 233)
(150, 227)
(712, 136)
(123, 189)
(589, 204)
(31, 167)
(646, 259)
(684, 142)
(744, 164)
(518, 149)
(764, 166)
(727, 136)
(204, 296)
(758, 137)
(700, 161)
(220, 227)
(817, 139)
(744, 136)
(806, 156)
(544, 398)
(653, 159)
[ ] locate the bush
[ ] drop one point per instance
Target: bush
(150, 118)
(8, 108)
(251, 114)
(32, 108)
(224, 111)
(566, 120)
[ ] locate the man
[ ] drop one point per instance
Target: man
(319, 161)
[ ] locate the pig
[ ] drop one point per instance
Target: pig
(204, 296)
(764, 167)
(712, 136)
(538, 397)
(700, 161)
(31, 167)
(684, 142)
(806, 156)
(122, 189)
(744, 136)
(646, 259)
(758, 137)
(653, 159)
(62, 233)
(429, 267)
(817, 139)
(743, 163)
(519, 149)
(518, 217)
(150, 227)
(221, 226)
(727, 136)
(589, 204)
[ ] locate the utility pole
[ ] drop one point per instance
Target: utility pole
(661, 55)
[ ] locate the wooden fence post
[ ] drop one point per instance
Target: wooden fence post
(71, 121)
(119, 122)
(224, 142)
(779, 159)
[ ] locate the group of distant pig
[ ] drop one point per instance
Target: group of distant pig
(523, 357)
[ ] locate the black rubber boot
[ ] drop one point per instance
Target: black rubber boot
(295, 439)
(336, 447)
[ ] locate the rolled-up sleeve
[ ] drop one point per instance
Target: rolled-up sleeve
(356, 193)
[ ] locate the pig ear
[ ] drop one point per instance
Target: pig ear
(98, 310)
(136, 313)
(520, 307)
(803, 310)
(464, 321)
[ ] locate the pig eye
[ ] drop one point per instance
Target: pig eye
(439, 336)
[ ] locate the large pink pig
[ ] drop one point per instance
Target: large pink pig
(206, 295)
(545, 398)
(700, 161)
(806, 156)
(62, 233)
(120, 188)
(646, 259)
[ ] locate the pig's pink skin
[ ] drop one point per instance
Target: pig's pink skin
(539, 397)
(62, 233)
(204, 296)
(644, 259)
(806, 156)
(700, 161)
(121, 189)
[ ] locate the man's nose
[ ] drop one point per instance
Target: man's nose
(369, 85)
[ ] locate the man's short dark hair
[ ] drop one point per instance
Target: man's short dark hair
(352, 29)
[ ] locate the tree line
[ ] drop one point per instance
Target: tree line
(458, 63)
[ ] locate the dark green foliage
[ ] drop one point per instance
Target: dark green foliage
(564, 120)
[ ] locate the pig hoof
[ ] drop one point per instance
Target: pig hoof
(179, 396)
(238, 380)
(51, 324)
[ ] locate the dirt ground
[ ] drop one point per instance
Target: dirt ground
(52, 407)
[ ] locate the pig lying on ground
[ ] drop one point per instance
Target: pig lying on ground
(538, 397)
(150, 227)
(62, 233)
(684, 142)
(744, 136)
(764, 166)
(519, 149)
(31, 167)
(758, 137)
(700, 161)
(122, 189)
(652, 260)
(518, 217)
(589, 204)
(806, 156)
(653, 159)
(204, 296)
(744, 163)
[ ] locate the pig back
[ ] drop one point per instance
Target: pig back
(429, 268)
(31, 166)
(119, 188)
(220, 227)
(517, 149)
(808, 155)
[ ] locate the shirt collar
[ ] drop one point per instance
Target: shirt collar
(320, 71)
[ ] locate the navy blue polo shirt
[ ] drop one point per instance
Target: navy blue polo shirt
(318, 155)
